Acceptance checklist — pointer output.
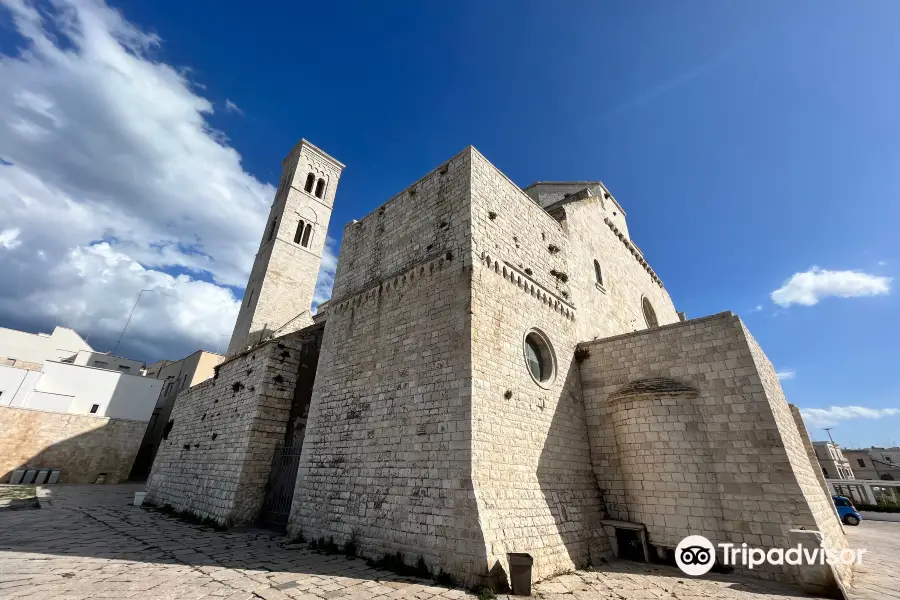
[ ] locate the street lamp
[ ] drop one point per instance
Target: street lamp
(129, 318)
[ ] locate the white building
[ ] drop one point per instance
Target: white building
(35, 348)
(60, 372)
(832, 461)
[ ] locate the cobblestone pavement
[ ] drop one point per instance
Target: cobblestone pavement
(87, 542)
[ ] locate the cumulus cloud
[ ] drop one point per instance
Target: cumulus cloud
(101, 286)
(9, 238)
(809, 287)
(828, 417)
(101, 143)
(786, 374)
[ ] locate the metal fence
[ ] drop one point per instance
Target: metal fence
(280, 487)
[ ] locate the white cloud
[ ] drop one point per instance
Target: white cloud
(232, 107)
(326, 273)
(97, 290)
(9, 238)
(882, 263)
(786, 374)
(101, 142)
(809, 287)
(828, 417)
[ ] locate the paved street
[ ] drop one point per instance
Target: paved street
(879, 575)
(87, 542)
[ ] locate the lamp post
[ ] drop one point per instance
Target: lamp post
(129, 318)
(219, 343)
(828, 429)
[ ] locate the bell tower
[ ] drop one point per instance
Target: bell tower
(280, 290)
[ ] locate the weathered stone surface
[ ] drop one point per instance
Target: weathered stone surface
(728, 464)
(80, 446)
(218, 453)
(387, 455)
(280, 290)
(428, 434)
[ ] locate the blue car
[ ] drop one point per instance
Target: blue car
(846, 511)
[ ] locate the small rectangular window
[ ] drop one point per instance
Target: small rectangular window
(100, 364)
(95, 408)
(124, 368)
(861, 462)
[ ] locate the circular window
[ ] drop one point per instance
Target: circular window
(539, 357)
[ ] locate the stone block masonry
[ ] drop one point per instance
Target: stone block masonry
(81, 446)
(387, 457)
(460, 411)
(531, 464)
(690, 434)
(218, 452)
(282, 282)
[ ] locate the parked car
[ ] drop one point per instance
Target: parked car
(846, 511)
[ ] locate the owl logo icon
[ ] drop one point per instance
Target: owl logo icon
(695, 555)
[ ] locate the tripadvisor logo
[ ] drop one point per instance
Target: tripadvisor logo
(695, 555)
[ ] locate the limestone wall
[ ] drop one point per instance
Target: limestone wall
(218, 453)
(810, 451)
(387, 453)
(806, 476)
(531, 459)
(617, 307)
(81, 446)
(750, 481)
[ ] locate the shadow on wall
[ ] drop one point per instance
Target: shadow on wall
(100, 449)
(566, 479)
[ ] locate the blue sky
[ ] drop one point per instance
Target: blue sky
(748, 142)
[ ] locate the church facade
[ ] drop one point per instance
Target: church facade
(499, 370)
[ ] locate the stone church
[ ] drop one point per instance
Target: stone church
(499, 370)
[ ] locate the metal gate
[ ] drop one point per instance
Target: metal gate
(280, 487)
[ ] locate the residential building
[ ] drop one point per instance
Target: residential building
(875, 462)
(832, 461)
(30, 350)
(64, 406)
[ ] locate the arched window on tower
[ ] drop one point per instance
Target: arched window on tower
(306, 234)
(310, 182)
(299, 233)
(598, 273)
(320, 188)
